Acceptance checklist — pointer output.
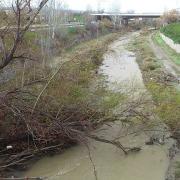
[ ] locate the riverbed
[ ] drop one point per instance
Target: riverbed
(103, 161)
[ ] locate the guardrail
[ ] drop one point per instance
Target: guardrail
(46, 26)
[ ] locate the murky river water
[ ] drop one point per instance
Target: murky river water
(111, 164)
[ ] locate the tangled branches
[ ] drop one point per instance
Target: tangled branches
(29, 134)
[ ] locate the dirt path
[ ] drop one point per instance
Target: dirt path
(168, 63)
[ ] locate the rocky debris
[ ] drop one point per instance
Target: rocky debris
(134, 150)
(173, 170)
(156, 140)
(168, 77)
(174, 156)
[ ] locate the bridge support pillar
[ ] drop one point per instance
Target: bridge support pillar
(125, 21)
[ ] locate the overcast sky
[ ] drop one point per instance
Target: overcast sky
(124, 5)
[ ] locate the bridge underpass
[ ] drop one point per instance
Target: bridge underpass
(124, 18)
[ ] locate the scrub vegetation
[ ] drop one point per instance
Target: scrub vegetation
(56, 110)
(50, 103)
(54, 97)
(159, 83)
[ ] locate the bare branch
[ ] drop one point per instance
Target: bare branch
(18, 8)
(94, 167)
(115, 143)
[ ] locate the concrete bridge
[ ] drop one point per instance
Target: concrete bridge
(125, 17)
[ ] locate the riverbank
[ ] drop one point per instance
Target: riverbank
(172, 31)
(162, 83)
(158, 79)
(170, 52)
(170, 43)
(53, 114)
(136, 129)
(105, 88)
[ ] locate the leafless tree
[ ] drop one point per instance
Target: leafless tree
(21, 9)
(171, 16)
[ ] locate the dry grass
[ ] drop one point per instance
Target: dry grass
(67, 100)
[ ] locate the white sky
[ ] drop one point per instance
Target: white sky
(125, 5)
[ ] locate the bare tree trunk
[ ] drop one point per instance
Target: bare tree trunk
(19, 7)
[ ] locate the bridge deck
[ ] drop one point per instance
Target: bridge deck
(127, 15)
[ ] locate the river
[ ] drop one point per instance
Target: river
(151, 163)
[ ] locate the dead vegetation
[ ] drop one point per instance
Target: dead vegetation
(52, 113)
(42, 109)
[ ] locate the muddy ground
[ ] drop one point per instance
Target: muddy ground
(122, 75)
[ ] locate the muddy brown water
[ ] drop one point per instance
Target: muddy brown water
(151, 163)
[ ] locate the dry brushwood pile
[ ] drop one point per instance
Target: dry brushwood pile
(52, 113)
(23, 129)
(25, 134)
(46, 105)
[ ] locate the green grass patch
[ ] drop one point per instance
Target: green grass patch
(171, 53)
(168, 102)
(72, 30)
(72, 85)
(111, 100)
(177, 171)
(31, 36)
(79, 18)
(77, 84)
(172, 31)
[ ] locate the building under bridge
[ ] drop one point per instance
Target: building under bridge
(124, 18)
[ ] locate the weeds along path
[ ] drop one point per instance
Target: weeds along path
(162, 55)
